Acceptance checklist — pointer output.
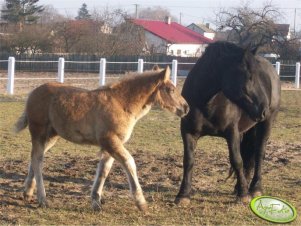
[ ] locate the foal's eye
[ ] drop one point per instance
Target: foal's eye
(170, 90)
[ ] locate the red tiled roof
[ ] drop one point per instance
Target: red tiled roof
(173, 32)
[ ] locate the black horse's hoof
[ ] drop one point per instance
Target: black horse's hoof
(246, 199)
(96, 205)
(256, 193)
(182, 201)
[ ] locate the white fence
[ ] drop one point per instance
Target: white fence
(102, 70)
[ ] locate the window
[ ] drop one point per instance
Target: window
(178, 52)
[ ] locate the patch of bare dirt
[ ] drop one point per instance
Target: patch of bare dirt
(70, 177)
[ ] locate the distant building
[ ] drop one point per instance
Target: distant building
(283, 32)
(203, 30)
(171, 38)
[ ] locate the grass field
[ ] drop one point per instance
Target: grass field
(157, 148)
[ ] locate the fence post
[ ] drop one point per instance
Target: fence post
(61, 69)
(11, 75)
(102, 72)
(297, 78)
(278, 67)
(174, 70)
(140, 65)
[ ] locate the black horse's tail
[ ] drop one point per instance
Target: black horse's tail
(230, 174)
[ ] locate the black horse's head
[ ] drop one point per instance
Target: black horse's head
(242, 84)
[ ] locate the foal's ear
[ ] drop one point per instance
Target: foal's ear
(165, 74)
(156, 68)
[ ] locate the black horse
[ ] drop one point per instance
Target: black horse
(235, 94)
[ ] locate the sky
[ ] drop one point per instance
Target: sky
(190, 11)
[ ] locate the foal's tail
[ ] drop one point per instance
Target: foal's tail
(21, 123)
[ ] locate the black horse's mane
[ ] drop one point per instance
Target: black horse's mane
(221, 48)
(218, 53)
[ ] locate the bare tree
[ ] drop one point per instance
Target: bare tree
(247, 26)
(106, 33)
(68, 33)
(156, 13)
(50, 16)
(31, 40)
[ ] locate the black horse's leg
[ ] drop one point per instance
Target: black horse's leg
(247, 151)
(189, 141)
(233, 140)
(263, 130)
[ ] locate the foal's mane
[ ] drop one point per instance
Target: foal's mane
(134, 80)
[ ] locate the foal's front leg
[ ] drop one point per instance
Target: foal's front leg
(103, 169)
(116, 149)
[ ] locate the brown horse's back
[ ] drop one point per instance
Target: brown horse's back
(37, 105)
(40, 100)
(52, 107)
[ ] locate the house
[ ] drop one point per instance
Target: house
(171, 38)
(203, 30)
(283, 32)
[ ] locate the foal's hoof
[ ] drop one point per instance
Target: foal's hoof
(244, 199)
(96, 205)
(182, 201)
(142, 207)
(27, 197)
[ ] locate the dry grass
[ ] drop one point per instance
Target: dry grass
(157, 148)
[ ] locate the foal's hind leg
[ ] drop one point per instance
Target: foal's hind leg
(30, 181)
(103, 169)
(30, 184)
(116, 149)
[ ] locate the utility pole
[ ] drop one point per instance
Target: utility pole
(180, 18)
(295, 21)
(136, 10)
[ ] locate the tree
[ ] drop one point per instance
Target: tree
(21, 11)
(31, 40)
(247, 26)
(70, 32)
(83, 13)
(155, 13)
(50, 16)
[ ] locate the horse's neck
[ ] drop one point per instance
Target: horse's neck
(135, 95)
(206, 87)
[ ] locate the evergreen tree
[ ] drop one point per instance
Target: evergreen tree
(83, 13)
(21, 11)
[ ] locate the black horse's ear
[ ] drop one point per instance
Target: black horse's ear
(254, 50)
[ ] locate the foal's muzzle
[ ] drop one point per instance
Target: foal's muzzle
(181, 112)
